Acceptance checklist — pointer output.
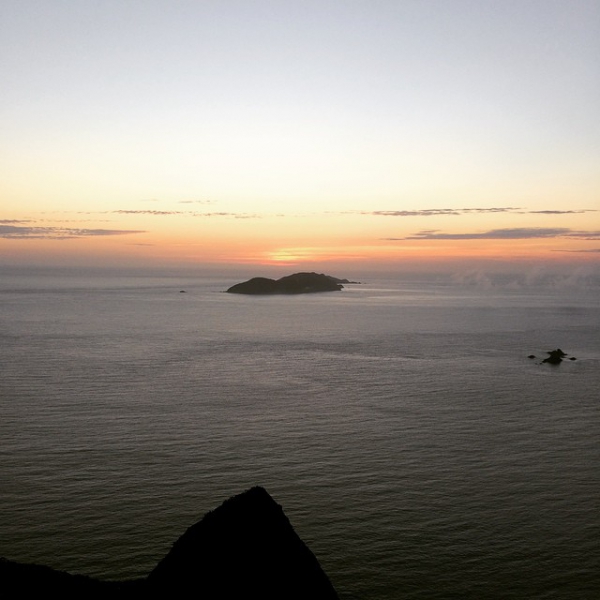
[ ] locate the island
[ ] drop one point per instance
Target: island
(555, 357)
(297, 283)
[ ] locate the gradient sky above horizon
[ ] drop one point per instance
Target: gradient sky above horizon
(299, 133)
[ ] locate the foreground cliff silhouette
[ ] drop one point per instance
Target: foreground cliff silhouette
(298, 283)
(246, 548)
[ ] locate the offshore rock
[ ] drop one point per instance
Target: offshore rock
(555, 357)
(298, 283)
(246, 548)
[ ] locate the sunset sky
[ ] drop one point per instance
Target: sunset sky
(299, 133)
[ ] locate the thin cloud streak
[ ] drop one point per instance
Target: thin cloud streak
(559, 212)
(517, 233)
(196, 202)
(159, 213)
(437, 212)
(429, 212)
(590, 250)
(188, 213)
(58, 233)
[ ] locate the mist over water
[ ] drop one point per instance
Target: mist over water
(411, 442)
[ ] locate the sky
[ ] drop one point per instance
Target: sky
(398, 134)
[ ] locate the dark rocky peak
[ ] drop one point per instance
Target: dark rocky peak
(246, 548)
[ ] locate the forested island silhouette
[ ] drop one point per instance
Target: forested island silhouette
(297, 283)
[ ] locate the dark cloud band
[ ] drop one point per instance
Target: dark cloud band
(516, 233)
(58, 233)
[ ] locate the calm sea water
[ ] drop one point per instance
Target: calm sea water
(411, 442)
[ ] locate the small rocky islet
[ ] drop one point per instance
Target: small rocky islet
(297, 283)
(555, 357)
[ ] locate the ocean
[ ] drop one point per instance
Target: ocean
(412, 443)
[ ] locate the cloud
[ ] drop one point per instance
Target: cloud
(493, 234)
(515, 233)
(159, 213)
(436, 212)
(196, 202)
(58, 233)
(592, 250)
(189, 213)
(559, 212)
(585, 235)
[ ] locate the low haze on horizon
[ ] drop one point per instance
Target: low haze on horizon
(391, 135)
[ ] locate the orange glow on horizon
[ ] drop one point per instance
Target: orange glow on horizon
(217, 245)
